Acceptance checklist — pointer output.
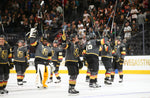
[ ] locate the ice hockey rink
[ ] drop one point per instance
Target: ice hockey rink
(134, 86)
(136, 83)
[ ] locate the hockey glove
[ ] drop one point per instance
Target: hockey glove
(121, 60)
(11, 65)
(27, 64)
(33, 33)
(63, 36)
(80, 63)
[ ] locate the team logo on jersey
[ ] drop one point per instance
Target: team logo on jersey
(4, 54)
(20, 54)
(76, 52)
(124, 49)
(45, 52)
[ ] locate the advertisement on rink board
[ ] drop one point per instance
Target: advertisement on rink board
(128, 61)
(137, 61)
(132, 65)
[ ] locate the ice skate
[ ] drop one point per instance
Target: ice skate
(20, 83)
(6, 91)
(24, 81)
(58, 81)
(111, 80)
(72, 91)
(38, 85)
(2, 92)
(107, 81)
(120, 80)
(87, 79)
(45, 86)
(50, 81)
(94, 85)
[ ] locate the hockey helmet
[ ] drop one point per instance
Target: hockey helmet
(92, 35)
(2, 36)
(20, 41)
(55, 41)
(87, 37)
(72, 36)
(119, 38)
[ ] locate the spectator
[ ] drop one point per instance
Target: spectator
(141, 20)
(134, 29)
(85, 16)
(81, 31)
(127, 31)
(79, 24)
(134, 13)
(59, 37)
(59, 9)
(48, 21)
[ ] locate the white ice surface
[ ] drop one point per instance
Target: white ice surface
(134, 86)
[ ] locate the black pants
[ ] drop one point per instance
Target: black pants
(20, 69)
(117, 65)
(72, 67)
(56, 64)
(93, 62)
(93, 66)
(73, 71)
(107, 63)
(4, 75)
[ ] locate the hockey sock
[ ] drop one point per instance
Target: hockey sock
(107, 75)
(92, 79)
(45, 77)
(51, 76)
(88, 74)
(95, 79)
(20, 77)
(112, 75)
(1, 85)
(121, 75)
(57, 75)
(4, 84)
(72, 83)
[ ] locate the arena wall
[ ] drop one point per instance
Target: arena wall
(132, 65)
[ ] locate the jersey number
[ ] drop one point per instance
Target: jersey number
(89, 47)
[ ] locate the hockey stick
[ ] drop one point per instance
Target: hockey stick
(111, 15)
(2, 26)
(124, 22)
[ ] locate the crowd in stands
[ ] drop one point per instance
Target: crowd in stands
(80, 16)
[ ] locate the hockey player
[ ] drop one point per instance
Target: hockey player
(119, 53)
(92, 57)
(43, 55)
(21, 57)
(56, 59)
(85, 61)
(5, 63)
(88, 72)
(106, 56)
(72, 60)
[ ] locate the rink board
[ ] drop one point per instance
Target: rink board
(132, 65)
